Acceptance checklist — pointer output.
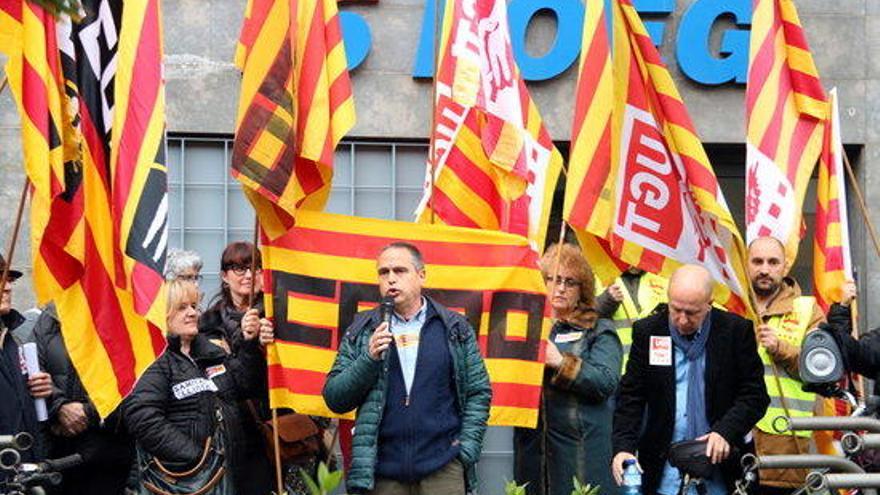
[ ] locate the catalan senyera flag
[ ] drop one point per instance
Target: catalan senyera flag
(832, 262)
(28, 36)
(493, 165)
(296, 103)
(591, 136)
(323, 271)
(655, 203)
(786, 110)
(102, 252)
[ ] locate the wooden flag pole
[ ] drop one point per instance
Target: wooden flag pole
(275, 440)
(10, 252)
(860, 201)
(438, 23)
(3, 83)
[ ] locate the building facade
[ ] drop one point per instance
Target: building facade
(380, 166)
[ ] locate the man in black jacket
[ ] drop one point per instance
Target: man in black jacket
(693, 373)
(17, 389)
(76, 428)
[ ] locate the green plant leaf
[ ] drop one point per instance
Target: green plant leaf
(310, 483)
(332, 481)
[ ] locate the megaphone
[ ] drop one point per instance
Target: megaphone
(821, 362)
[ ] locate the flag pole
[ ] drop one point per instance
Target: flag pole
(10, 252)
(438, 22)
(860, 201)
(276, 443)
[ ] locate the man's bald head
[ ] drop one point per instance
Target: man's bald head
(693, 281)
(690, 298)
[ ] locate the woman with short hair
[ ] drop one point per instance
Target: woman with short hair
(582, 369)
(184, 410)
(183, 265)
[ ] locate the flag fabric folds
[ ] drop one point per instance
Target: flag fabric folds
(91, 98)
(323, 271)
(832, 262)
(492, 165)
(296, 103)
(786, 109)
(655, 202)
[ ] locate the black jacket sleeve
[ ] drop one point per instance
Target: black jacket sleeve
(632, 397)
(145, 417)
(606, 305)
(860, 356)
(751, 399)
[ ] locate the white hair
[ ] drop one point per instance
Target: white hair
(178, 261)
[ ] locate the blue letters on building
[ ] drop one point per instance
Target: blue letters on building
(695, 57)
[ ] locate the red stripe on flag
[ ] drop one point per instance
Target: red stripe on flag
(803, 130)
(252, 25)
(296, 380)
(592, 184)
(312, 65)
(770, 141)
(515, 395)
(156, 338)
(146, 79)
(146, 284)
(12, 8)
(348, 245)
(107, 315)
(807, 84)
(760, 69)
(449, 211)
(35, 99)
(794, 35)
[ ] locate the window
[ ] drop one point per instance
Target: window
(208, 209)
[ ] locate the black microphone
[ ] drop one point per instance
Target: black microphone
(386, 308)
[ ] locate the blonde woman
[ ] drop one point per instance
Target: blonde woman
(183, 411)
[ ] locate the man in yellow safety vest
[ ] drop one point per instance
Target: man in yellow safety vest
(631, 297)
(786, 317)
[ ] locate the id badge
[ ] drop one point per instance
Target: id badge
(661, 351)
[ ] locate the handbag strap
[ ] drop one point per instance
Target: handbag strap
(201, 491)
(190, 472)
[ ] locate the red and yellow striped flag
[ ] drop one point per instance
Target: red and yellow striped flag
(832, 263)
(655, 203)
(295, 105)
(49, 142)
(323, 271)
(786, 110)
(99, 202)
(591, 138)
(494, 165)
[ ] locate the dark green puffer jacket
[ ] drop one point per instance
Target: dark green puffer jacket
(357, 381)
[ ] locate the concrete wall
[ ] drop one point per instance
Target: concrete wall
(202, 90)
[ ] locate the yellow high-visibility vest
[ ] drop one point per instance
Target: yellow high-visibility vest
(790, 328)
(652, 291)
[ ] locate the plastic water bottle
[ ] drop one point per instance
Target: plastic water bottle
(632, 478)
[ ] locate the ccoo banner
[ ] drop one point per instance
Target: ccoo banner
(323, 271)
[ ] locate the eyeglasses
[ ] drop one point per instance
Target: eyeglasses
(566, 282)
(242, 269)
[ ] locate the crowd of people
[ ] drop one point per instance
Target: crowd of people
(631, 370)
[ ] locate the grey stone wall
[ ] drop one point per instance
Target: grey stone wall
(202, 89)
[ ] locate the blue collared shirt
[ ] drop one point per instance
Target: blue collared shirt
(671, 479)
(406, 340)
